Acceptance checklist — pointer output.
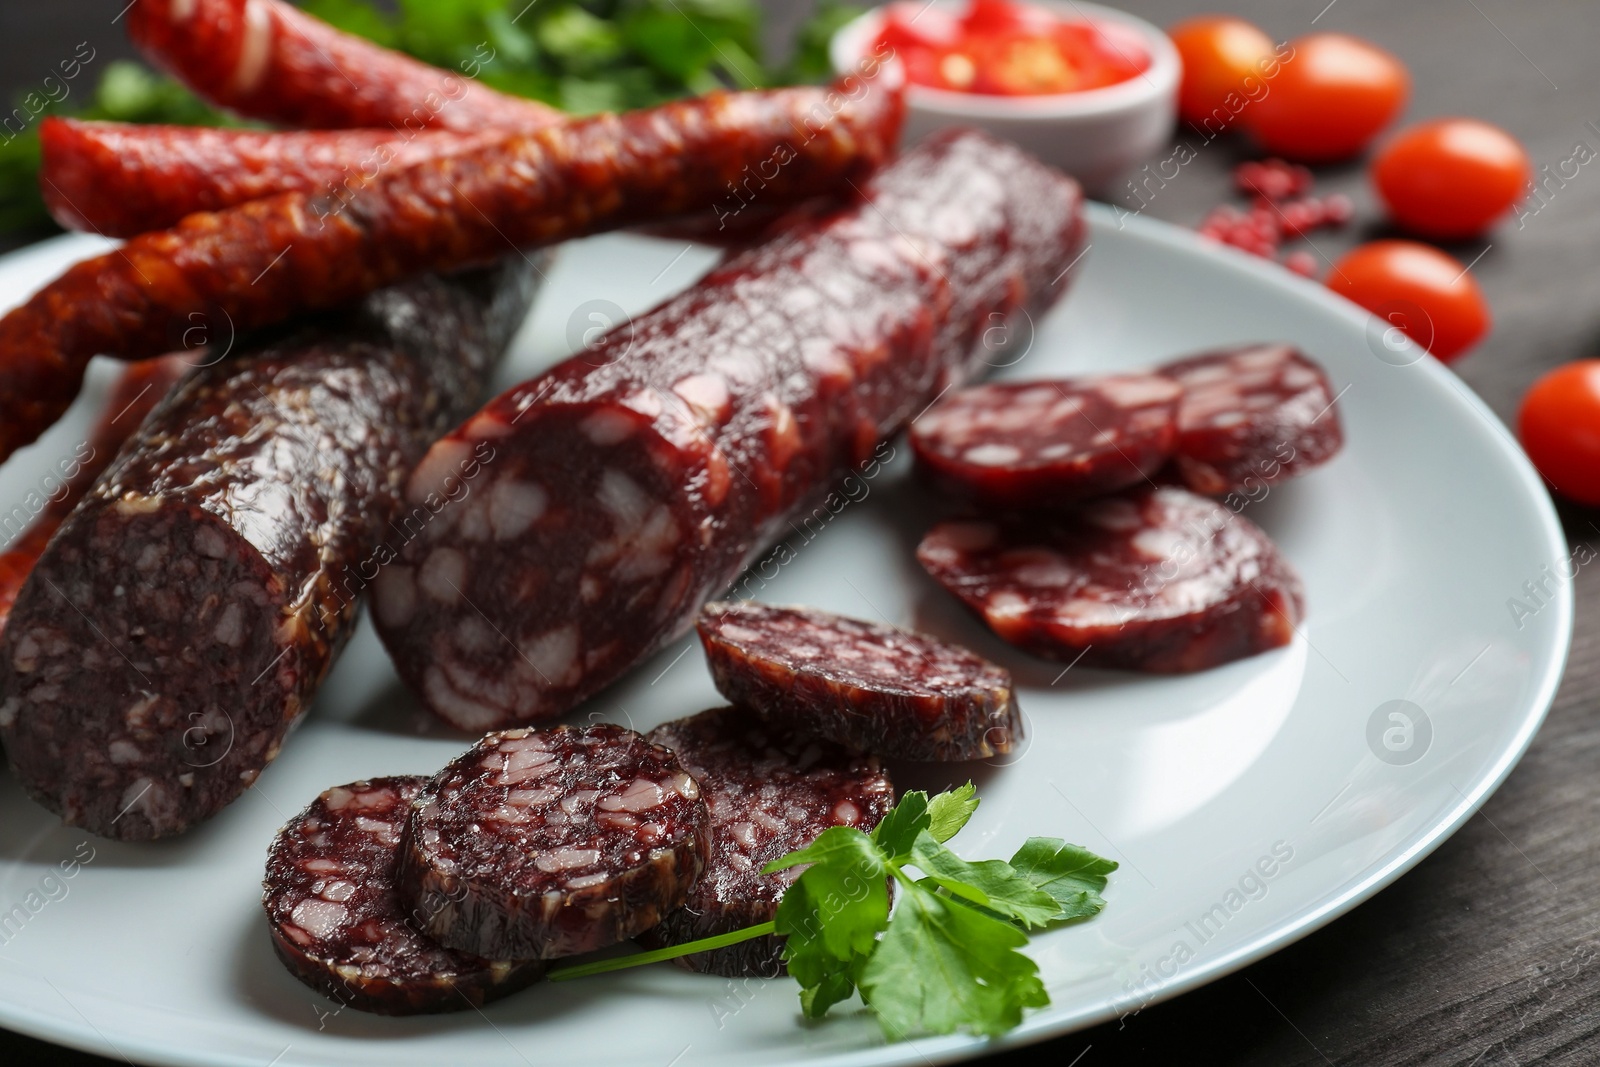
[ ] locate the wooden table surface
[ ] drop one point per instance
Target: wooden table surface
(1486, 953)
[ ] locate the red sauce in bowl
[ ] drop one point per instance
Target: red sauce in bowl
(1005, 48)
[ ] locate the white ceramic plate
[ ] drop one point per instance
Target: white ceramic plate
(1248, 805)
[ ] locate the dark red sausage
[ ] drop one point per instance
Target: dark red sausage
(872, 687)
(263, 59)
(339, 926)
(769, 794)
(121, 179)
(183, 617)
(536, 844)
(1156, 580)
(1252, 416)
(28, 529)
(634, 482)
(263, 261)
(1043, 445)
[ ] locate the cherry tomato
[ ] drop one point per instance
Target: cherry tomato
(1450, 178)
(1328, 99)
(1218, 54)
(1560, 429)
(1417, 288)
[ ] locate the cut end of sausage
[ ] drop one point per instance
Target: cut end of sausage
(339, 926)
(871, 687)
(1047, 444)
(1157, 580)
(537, 844)
(148, 672)
(769, 793)
(577, 538)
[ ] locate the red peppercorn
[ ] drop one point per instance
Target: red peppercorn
(1300, 217)
(1271, 179)
(1337, 209)
(1302, 263)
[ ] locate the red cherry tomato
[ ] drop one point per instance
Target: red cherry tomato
(1560, 429)
(1450, 178)
(1328, 99)
(1218, 54)
(1418, 289)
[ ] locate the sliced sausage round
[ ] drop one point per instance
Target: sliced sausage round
(871, 687)
(339, 926)
(1252, 416)
(547, 843)
(769, 793)
(1156, 580)
(1038, 445)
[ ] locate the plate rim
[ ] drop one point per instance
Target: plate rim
(1042, 1025)
(1047, 1023)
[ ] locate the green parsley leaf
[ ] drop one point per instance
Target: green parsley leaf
(830, 989)
(579, 39)
(811, 62)
(826, 976)
(946, 957)
(898, 830)
(943, 817)
(1071, 874)
(949, 811)
(581, 96)
(21, 206)
(832, 915)
(990, 883)
(943, 967)
(354, 16)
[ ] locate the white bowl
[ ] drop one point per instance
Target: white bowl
(1096, 135)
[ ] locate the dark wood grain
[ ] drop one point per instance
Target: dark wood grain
(1489, 952)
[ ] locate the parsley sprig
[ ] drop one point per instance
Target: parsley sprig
(941, 953)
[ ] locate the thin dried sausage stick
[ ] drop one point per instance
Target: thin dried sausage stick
(871, 687)
(537, 844)
(769, 793)
(260, 262)
(184, 616)
(265, 60)
(635, 481)
(339, 926)
(121, 179)
(139, 389)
